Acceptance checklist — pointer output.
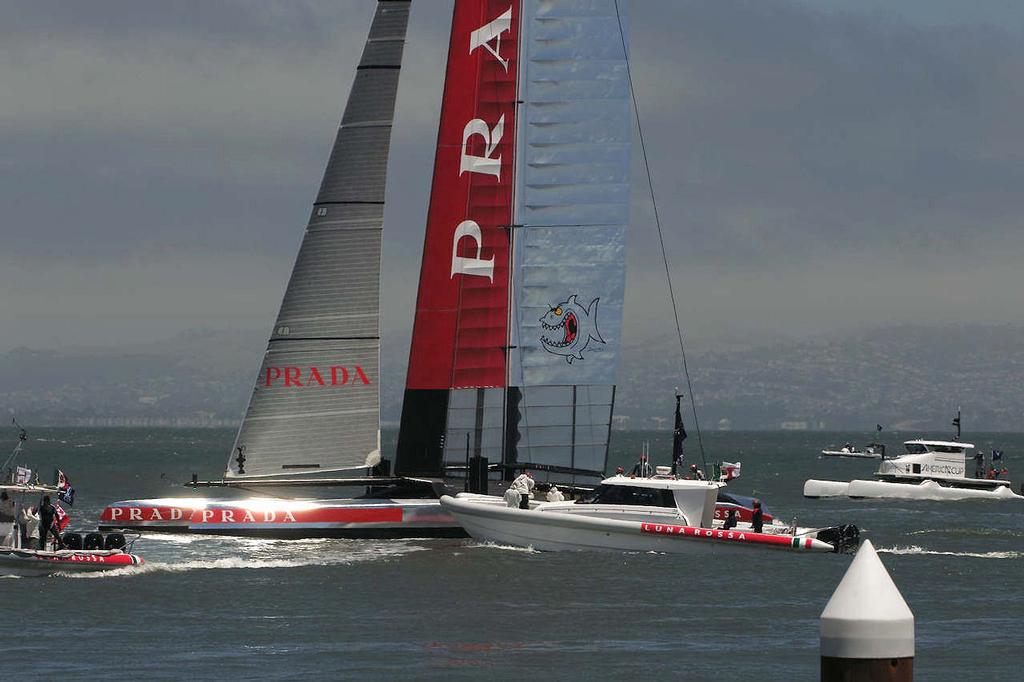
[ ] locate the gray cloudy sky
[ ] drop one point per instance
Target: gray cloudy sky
(819, 166)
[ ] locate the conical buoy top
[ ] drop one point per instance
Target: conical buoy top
(866, 617)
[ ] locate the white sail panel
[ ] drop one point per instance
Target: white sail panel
(572, 210)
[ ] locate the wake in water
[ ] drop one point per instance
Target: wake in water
(198, 553)
(917, 550)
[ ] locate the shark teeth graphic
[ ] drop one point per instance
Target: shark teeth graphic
(568, 328)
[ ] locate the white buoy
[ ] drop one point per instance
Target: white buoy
(867, 630)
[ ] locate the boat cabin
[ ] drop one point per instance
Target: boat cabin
(934, 459)
(695, 499)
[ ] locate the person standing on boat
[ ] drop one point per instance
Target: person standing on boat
(979, 464)
(29, 521)
(6, 520)
(697, 474)
(642, 469)
(47, 522)
(524, 486)
(757, 519)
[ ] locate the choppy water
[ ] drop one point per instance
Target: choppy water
(208, 607)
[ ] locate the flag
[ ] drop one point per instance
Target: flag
(878, 427)
(730, 470)
(23, 476)
(678, 435)
(65, 492)
(997, 454)
(61, 519)
(59, 479)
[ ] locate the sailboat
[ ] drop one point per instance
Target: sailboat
(519, 313)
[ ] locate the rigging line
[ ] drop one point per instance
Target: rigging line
(661, 238)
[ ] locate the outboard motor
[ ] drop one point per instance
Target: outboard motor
(844, 538)
(93, 541)
(71, 540)
(114, 541)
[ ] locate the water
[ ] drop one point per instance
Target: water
(207, 607)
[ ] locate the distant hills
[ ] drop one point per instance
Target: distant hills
(905, 378)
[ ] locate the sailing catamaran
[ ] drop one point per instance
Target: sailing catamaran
(519, 312)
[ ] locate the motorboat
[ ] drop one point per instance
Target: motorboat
(871, 451)
(94, 552)
(73, 552)
(928, 470)
(632, 514)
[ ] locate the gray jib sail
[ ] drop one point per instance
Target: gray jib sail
(573, 181)
(315, 406)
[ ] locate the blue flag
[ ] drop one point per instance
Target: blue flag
(67, 494)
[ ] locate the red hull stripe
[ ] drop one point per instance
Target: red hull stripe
(285, 516)
(111, 560)
(727, 535)
(461, 326)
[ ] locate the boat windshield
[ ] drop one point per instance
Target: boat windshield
(744, 501)
(629, 494)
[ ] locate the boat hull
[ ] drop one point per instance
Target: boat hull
(286, 519)
(855, 454)
(924, 490)
(555, 531)
(31, 562)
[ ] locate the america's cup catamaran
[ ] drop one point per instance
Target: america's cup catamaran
(519, 313)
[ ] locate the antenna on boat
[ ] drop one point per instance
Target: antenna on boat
(22, 437)
(956, 423)
(661, 241)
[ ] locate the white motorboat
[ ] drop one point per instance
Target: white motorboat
(928, 470)
(658, 514)
(872, 451)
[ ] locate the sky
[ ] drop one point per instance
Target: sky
(819, 167)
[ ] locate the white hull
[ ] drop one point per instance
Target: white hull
(275, 518)
(556, 531)
(925, 490)
(859, 454)
(33, 562)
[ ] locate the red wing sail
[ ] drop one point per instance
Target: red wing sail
(460, 333)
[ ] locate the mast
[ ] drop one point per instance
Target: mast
(315, 406)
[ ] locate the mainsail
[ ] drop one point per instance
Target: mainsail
(519, 314)
(315, 406)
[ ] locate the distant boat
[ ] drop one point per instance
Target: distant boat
(519, 313)
(928, 470)
(873, 450)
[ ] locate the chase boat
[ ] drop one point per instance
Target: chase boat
(928, 470)
(83, 553)
(656, 514)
